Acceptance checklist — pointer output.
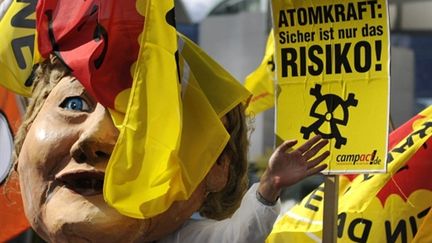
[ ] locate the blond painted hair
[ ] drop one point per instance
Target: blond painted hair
(45, 77)
(221, 205)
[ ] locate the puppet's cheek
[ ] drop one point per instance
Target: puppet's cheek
(70, 217)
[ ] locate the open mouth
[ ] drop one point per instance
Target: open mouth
(86, 183)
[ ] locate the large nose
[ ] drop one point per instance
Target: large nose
(97, 139)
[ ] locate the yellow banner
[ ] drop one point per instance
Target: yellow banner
(333, 72)
(396, 221)
(377, 224)
(17, 46)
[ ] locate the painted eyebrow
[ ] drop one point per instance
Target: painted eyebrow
(73, 79)
(83, 92)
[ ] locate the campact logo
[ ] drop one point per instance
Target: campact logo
(359, 158)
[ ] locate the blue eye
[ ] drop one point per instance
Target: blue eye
(75, 103)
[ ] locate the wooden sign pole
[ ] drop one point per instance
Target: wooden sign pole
(331, 189)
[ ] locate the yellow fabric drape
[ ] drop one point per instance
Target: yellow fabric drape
(145, 175)
(261, 81)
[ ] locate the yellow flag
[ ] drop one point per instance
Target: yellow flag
(261, 82)
(208, 92)
(144, 165)
(17, 46)
(353, 200)
(145, 182)
(222, 90)
(424, 234)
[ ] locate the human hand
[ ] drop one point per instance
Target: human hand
(287, 167)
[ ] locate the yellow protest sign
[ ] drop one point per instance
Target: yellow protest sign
(332, 65)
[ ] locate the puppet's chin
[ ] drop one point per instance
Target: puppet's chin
(68, 216)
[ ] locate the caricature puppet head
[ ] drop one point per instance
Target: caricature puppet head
(63, 148)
